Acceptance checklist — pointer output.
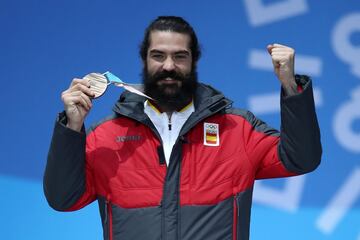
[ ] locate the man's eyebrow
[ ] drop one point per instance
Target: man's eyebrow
(156, 51)
(183, 52)
(177, 52)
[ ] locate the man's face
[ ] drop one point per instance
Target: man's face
(169, 75)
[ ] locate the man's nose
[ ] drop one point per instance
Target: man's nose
(169, 64)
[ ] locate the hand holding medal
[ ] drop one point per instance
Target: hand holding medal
(77, 98)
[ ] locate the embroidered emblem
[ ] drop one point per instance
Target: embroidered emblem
(211, 134)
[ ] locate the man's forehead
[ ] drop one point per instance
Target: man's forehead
(169, 41)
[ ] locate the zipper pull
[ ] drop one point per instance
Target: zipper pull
(169, 122)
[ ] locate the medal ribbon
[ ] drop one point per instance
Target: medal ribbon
(134, 88)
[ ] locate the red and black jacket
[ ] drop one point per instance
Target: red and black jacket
(205, 192)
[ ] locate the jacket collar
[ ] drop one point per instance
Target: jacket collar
(207, 101)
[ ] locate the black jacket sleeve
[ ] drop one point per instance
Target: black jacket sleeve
(64, 179)
(300, 146)
(294, 150)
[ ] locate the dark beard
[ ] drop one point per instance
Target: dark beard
(170, 97)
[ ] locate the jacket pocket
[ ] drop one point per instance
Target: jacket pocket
(242, 213)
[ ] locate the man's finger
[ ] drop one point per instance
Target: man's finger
(280, 59)
(284, 55)
(286, 50)
(279, 45)
(87, 100)
(83, 88)
(79, 81)
(85, 97)
(78, 100)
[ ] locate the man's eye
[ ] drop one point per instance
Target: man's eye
(157, 57)
(181, 57)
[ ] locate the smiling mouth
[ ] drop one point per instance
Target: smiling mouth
(168, 81)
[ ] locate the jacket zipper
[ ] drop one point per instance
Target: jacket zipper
(169, 120)
(235, 218)
(108, 218)
(162, 222)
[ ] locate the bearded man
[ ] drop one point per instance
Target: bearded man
(181, 164)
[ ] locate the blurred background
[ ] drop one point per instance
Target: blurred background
(45, 44)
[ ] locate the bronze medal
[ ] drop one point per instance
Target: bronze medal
(98, 83)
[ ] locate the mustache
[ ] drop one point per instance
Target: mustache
(168, 74)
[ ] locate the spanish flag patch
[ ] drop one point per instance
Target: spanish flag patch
(211, 134)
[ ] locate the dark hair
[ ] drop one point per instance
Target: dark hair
(172, 24)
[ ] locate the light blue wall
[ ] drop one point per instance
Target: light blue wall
(44, 44)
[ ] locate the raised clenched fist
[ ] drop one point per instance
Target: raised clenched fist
(283, 58)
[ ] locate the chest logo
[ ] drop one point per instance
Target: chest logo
(128, 138)
(211, 134)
